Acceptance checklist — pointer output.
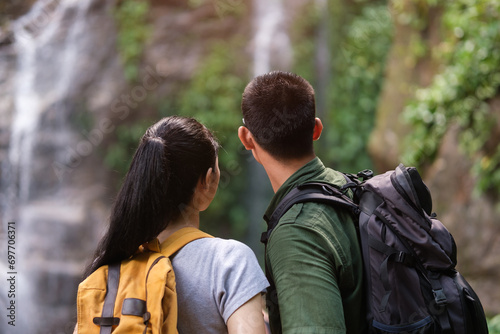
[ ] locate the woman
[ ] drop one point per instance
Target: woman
(174, 176)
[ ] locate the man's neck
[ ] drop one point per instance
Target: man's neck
(279, 171)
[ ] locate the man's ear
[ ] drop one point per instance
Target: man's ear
(318, 128)
(246, 137)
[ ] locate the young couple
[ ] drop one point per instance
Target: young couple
(312, 255)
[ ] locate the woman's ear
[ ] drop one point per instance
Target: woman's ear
(209, 178)
(205, 189)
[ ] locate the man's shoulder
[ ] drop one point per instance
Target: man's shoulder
(333, 177)
(304, 220)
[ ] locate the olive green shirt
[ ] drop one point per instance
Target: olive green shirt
(314, 259)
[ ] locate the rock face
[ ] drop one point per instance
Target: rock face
(472, 219)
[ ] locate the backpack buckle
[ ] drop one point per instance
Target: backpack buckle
(440, 297)
(401, 257)
(365, 174)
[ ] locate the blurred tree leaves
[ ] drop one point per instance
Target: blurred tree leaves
(494, 325)
(359, 38)
(213, 97)
(357, 80)
(121, 150)
(133, 33)
(460, 93)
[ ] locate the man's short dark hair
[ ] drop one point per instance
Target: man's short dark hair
(279, 110)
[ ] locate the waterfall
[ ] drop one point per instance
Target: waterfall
(43, 79)
(54, 48)
(271, 51)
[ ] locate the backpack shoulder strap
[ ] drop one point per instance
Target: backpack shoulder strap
(181, 238)
(309, 192)
(106, 321)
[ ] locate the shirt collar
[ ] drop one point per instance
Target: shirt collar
(310, 170)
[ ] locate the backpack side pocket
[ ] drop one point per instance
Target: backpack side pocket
(474, 317)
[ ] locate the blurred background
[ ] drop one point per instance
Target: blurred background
(412, 81)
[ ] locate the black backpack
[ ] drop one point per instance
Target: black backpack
(409, 257)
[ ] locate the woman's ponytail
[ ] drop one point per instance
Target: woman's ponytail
(137, 215)
(172, 156)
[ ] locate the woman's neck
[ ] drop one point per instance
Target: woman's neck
(187, 219)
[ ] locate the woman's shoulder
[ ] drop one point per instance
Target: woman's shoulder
(223, 253)
(224, 246)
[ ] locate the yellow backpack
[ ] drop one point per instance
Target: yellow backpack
(137, 295)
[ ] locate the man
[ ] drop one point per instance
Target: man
(313, 256)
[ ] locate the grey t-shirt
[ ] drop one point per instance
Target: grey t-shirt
(214, 277)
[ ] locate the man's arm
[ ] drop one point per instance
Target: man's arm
(305, 274)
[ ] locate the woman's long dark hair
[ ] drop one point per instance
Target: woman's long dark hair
(172, 156)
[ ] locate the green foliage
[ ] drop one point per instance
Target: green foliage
(133, 32)
(358, 78)
(459, 94)
(358, 44)
(303, 35)
(494, 325)
(213, 98)
(81, 118)
(119, 153)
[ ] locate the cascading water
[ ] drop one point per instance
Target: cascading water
(271, 41)
(41, 215)
(43, 80)
(271, 51)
